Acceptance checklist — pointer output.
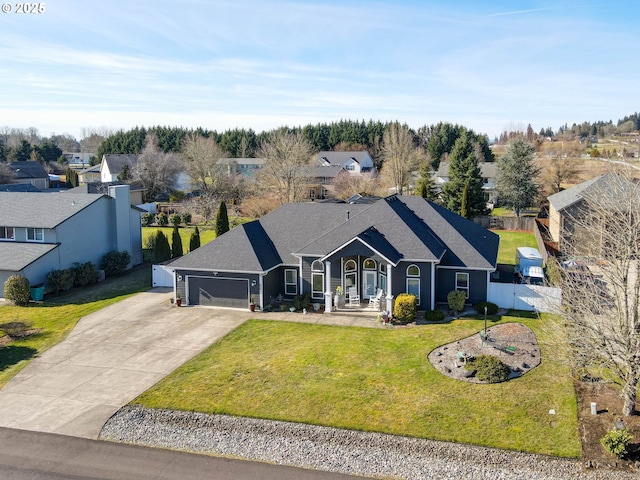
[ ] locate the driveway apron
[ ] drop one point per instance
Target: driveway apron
(110, 357)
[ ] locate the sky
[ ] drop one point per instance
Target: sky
(261, 64)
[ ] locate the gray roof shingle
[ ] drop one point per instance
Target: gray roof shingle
(116, 162)
(41, 210)
(16, 256)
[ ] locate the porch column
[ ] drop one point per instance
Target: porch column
(433, 286)
(389, 306)
(327, 288)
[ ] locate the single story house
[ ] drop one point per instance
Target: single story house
(40, 232)
(240, 166)
(397, 244)
(30, 172)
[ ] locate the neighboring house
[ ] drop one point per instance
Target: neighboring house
(18, 187)
(320, 187)
(90, 175)
(240, 166)
(397, 244)
(30, 172)
(78, 158)
(112, 165)
(353, 162)
(136, 191)
(566, 205)
(40, 232)
(488, 171)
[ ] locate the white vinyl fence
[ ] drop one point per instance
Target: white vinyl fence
(162, 277)
(525, 297)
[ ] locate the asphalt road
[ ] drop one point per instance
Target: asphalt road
(26, 455)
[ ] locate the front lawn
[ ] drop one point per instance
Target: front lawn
(56, 317)
(374, 380)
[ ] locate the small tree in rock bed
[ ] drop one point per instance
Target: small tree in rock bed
(114, 262)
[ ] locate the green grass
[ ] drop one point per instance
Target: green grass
(206, 235)
(510, 241)
(57, 316)
(374, 380)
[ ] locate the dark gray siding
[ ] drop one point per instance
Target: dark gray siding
(399, 280)
(446, 282)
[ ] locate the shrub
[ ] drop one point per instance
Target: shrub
(488, 368)
(186, 218)
(492, 308)
(162, 219)
(434, 315)
(61, 280)
(162, 250)
(456, 300)
(85, 273)
(175, 219)
(616, 442)
(176, 243)
(194, 241)
(404, 308)
(114, 262)
(15, 329)
(302, 301)
(146, 219)
(16, 290)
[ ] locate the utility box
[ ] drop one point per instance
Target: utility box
(527, 257)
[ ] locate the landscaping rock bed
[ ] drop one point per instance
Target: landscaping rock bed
(356, 453)
(513, 343)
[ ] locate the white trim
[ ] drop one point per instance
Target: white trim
(7, 239)
(320, 293)
(445, 267)
(300, 279)
(285, 281)
(455, 285)
(408, 279)
(186, 285)
(321, 264)
(407, 274)
(374, 263)
(35, 240)
(365, 244)
(433, 286)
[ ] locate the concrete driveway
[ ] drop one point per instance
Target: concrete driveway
(111, 357)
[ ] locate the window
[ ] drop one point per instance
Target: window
(462, 283)
(290, 282)
(312, 193)
(317, 266)
(350, 167)
(369, 264)
(413, 281)
(350, 266)
(382, 278)
(35, 235)
(325, 192)
(7, 233)
(413, 271)
(317, 285)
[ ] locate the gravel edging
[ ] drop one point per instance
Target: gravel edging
(331, 449)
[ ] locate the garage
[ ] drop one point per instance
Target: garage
(218, 292)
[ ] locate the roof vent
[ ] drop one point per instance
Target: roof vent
(347, 214)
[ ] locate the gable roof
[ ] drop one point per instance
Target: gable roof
(398, 228)
(29, 169)
(568, 197)
(116, 162)
(241, 161)
(41, 210)
(340, 158)
(15, 256)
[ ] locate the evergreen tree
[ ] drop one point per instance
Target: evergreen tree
(125, 174)
(176, 243)
(21, 153)
(464, 203)
(464, 172)
(426, 186)
(194, 241)
(162, 250)
(222, 220)
(517, 176)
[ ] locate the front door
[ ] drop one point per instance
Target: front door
(369, 284)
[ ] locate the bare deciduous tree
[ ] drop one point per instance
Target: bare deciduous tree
(287, 165)
(401, 156)
(6, 174)
(601, 303)
(201, 155)
(156, 170)
(346, 184)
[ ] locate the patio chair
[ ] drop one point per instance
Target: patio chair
(374, 301)
(354, 297)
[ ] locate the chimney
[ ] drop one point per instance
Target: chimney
(122, 211)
